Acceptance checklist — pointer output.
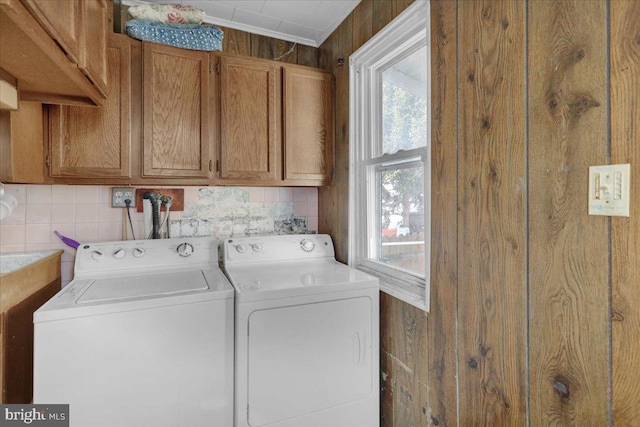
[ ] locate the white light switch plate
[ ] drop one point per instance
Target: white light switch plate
(609, 190)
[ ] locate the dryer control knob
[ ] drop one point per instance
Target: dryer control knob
(241, 249)
(307, 245)
(120, 253)
(185, 249)
(257, 247)
(97, 255)
(138, 252)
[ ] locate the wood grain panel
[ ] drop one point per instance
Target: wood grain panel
(362, 23)
(399, 6)
(175, 112)
(96, 142)
(568, 276)
(307, 56)
(382, 14)
(340, 182)
(236, 41)
(273, 49)
(492, 220)
(441, 322)
(327, 196)
(250, 120)
(625, 232)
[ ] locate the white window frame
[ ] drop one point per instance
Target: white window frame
(394, 42)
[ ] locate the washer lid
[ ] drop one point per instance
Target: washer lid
(89, 297)
(115, 289)
(270, 280)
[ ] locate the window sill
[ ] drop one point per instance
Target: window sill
(406, 293)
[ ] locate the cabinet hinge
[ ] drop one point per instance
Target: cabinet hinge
(47, 161)
(218, 68)
(217, 165)
(210, 165)
(210, 67)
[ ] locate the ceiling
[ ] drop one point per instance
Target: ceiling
(307, 22)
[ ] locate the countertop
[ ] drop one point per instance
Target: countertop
(13, 261)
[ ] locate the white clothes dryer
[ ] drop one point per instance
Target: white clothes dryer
(307, 340)
(143, 336)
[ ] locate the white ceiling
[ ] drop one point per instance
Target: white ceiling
(308, 22)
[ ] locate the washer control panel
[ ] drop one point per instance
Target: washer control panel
(275, 248)
(144, 254)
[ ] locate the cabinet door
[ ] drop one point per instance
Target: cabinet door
(93, 52)
(308, 125)
(250, 127)
(177, 136)
(96, 142)
(62, 20)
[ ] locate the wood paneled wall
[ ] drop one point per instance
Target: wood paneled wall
(535, 306)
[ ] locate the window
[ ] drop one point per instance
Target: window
(389, 221)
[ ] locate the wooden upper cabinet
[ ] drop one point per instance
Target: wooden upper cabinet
(250, 128)
(177, 135)
(87, 142)
(93, 52)
(308, 125)
(56, 49)
(62, 20)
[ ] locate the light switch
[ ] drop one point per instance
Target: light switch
(609, 190)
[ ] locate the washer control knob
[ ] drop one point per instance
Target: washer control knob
(138, 252)
(257, 247)
(185, 249)
(119, 253)
(307, 245)
(241, 249)
(97, 255)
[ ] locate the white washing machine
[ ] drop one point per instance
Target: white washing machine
(306, 334)
(143, 336)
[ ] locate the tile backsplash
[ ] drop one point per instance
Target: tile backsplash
(84, 213)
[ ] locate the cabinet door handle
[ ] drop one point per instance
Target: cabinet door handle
(210, 165)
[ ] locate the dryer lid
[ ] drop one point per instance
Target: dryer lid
(271, 280)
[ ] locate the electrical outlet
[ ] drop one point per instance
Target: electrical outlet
(120, 194)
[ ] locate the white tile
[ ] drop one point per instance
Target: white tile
(33, 247)
(12, 248)
(312, 223)
(286, 195)
(38, 233)
(214, 9)
(300, 194)
(260, 21)
(271, 194)
(38, 194)
(38, 214)
(12, 235)
(254, 6)
(109, 231)
(63, 194)
(191, 195)
(69, 254)
(17, 217)
(108, 214)
(66, 229)
(300, 208)
(287, 27)
(66, 269)
(87, 213)
(86, 233)
(19, 191)
(256, 194)
(63, 214)
(87, 194)
(312, 206)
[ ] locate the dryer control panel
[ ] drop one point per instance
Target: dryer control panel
(277, 248)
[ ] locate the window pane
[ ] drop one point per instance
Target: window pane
(404, 107)
(400, 197)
